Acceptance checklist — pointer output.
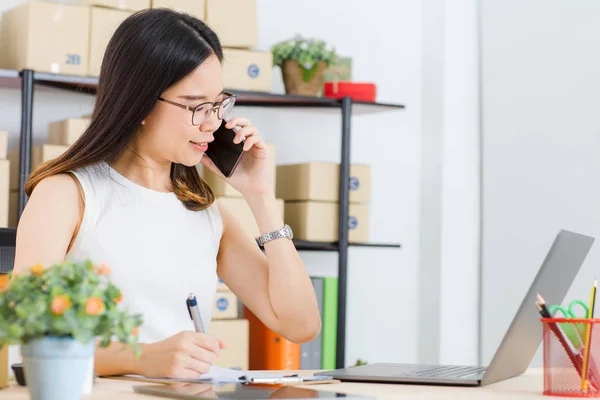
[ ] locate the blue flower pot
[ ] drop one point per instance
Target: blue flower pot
(55, 367)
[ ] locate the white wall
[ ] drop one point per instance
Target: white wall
(384, 39)
(449, 225)
(541, 146)
(459, 296)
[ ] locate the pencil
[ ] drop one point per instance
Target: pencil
(544, 311)
(541, 306)
(588, 334)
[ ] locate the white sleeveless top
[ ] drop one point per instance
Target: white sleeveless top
(158, 251)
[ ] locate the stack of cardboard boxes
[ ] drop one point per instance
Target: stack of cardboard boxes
(227, 325)
(61, 135)
(71, 39)
(311, 194)
(235, 23)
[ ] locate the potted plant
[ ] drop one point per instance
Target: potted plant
(303, 62)
(56, 315)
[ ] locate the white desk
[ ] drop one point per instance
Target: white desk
(526, 386)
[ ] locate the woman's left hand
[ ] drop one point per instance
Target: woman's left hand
(253, 175)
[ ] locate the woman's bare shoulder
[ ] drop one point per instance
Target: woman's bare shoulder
(49, 221)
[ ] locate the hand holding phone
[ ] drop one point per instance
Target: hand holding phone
(225, 154)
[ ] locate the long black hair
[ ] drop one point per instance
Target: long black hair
(150, 51)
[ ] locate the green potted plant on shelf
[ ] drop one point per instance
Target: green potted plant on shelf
(303, 62)
(57, 314)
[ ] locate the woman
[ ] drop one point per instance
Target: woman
(127, 194)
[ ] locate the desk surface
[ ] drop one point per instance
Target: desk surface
(526, 386)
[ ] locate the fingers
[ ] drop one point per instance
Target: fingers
(237, 121)
(204, 355)
(205, 341)
(256, 141)
(251, 136)
(186, 367)
(244, 133)
(249, 133)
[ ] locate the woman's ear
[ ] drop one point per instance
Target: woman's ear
(144, 122)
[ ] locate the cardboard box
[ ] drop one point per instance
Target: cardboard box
(319, 181)
(3, 144)
(67, 131)
(318, 221)
(3, 367)
(39, 155)
(46, 37)
(234, 21)
(4, 192)
(247, 70)
(195, 8)
(240, 210)
(13, 207)
(129, 5)
(225, 306)
(103, 24)
(236, 335)
(222, 188)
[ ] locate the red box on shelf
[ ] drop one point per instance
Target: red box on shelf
(355, 90)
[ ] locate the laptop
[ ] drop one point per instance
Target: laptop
(520, 343)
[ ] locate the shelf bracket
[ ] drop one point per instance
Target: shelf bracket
(343, 233)
(26, 135)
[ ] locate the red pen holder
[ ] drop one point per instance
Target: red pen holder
(565, 364)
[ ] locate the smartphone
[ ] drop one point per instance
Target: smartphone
(223, 152)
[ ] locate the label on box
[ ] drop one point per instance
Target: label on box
(352, 222)
(225, 306)
(253, 71)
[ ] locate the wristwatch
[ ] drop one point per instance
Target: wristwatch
(286, 232)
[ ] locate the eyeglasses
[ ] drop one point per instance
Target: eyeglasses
(201, 113)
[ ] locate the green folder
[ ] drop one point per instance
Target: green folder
(329, 322)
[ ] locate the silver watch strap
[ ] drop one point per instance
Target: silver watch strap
(284, 232)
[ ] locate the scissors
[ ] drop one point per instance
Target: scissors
(574, 331)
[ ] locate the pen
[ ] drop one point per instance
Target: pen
(194, 311)
(588, 334)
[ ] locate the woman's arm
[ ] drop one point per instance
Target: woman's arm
(48, 223)
(273, 285)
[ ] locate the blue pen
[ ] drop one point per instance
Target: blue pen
(194, 311)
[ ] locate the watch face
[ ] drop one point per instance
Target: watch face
(288, 229)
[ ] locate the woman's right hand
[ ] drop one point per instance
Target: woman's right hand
(184, 355)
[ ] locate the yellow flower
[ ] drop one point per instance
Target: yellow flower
(37, 269)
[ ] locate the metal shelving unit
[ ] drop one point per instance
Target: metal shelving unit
(29, 79)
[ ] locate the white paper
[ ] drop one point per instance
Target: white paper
(223, 375)
(218, 375)
(226, 375)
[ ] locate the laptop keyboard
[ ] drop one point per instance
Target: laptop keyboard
(448, 371)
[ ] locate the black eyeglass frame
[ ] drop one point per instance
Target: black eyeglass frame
(215, 106)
